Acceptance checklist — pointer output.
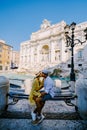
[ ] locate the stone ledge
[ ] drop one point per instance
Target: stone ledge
(26, 115)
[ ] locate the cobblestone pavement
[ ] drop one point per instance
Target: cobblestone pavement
(59, 116)
(25, 124)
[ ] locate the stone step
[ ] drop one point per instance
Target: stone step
(26, 115)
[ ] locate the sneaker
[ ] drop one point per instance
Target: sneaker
(40, 120)
(33, 116)
(35, 122)
(42, 116)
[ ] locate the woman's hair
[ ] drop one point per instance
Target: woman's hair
(38, 74)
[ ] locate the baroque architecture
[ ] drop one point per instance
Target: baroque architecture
(46, 47)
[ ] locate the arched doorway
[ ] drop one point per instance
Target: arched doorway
(45, 53)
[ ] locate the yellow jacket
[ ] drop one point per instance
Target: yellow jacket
(36, 86)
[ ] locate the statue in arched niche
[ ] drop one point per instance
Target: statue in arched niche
(45, 24)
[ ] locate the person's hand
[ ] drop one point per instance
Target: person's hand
(43, 93)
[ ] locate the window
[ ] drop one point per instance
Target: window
(0, 67)
(69, 65)
(0, 48)
(80, 54)
(79, 64)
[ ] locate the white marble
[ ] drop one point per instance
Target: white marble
(81, 91)
(46, 47)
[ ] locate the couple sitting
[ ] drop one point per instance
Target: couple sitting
(37, 98)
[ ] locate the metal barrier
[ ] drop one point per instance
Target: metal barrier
(65, 96)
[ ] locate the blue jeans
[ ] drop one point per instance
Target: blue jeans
(46, 97)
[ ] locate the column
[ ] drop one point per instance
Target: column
(52, 52)
(62, 53)
(32, 55)
(38, 54)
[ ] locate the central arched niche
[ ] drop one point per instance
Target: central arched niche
(45, 53)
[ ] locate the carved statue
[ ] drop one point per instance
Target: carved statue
(45, 24)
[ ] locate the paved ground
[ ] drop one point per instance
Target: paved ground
(59, 116)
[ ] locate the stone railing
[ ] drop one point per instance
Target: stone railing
(4, 88)
(81, 91)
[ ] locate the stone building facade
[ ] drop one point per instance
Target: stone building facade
(15, 58)
(46, 47)
(5, 56)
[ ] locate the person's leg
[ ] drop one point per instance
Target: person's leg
(33, 107)
(33, 115)
(39, 106)
(40, 101)
(46, 97)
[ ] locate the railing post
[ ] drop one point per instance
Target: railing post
(4, 88)
(81, 91)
